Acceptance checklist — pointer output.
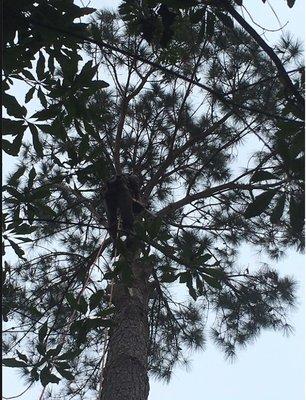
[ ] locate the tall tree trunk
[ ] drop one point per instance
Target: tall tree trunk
(125, 376)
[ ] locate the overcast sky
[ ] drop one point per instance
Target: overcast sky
(273, 367)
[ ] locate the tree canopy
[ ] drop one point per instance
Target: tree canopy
(207, 124)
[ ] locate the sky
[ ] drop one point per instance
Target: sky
(272, 368)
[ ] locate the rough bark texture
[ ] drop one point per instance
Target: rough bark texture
(125, 376)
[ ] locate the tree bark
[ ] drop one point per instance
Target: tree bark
(125, 376)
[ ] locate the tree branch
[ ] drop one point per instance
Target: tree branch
(266, 48)
(209, 192)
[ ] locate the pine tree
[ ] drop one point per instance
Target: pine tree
(98, 311)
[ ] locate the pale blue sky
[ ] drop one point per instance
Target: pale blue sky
(273, 367)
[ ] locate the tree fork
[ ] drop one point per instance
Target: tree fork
(283, 74)
(125, 376)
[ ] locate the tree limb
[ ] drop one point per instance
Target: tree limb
(209, 192)
(267, 49)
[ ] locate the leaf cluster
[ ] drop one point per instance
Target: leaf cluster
(196, 205)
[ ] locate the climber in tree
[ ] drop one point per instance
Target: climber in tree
(121, 197)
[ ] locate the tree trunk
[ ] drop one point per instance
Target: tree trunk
(125, 376)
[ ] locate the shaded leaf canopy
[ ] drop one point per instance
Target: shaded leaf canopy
(197, 182)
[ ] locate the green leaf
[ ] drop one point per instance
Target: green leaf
(297, 214)
(40, 193)
(54, 352)
(77, 12)
(65, 374)
(18, 174)
(214, 272)
(58, 129)
(16, 216)
(99, 84)
(35, 312)
(40, 66)
(69, 69)
(30, 94)
(260, 204)
(87, 73)
(290, 3)
(96, 298)
(262, 175)
(41, 348)
(184, 276)
(24, 229)
(53, 378)
(46, 376)
(164, 236)
(34, 374)
(24, 239)
(78, 326)
(42, 333)
(7, 147)
(51, 66)
(298, 167)
(154, 227)
(212, 281)
(12, 106)
(41, 210)
(13, 127)
(168, 278)
(80, 305)
(191, 289)
(291, 108)
(42, 98)
(30, 213)
(36, 142)
(13, 192)
(72, 301)
(278, 209)
(28, 75)
(17, 249)
(49, 113)
(180, 3)
(205, 257)
(32, 175)
(17, 142)
(13, 148)
(22, 356)
(84, 145)
(61, 364)
(225, 19)
(87, 10)
(13, 363)
(197, 16)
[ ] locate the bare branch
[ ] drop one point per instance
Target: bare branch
(267, 49)
(210, 192)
